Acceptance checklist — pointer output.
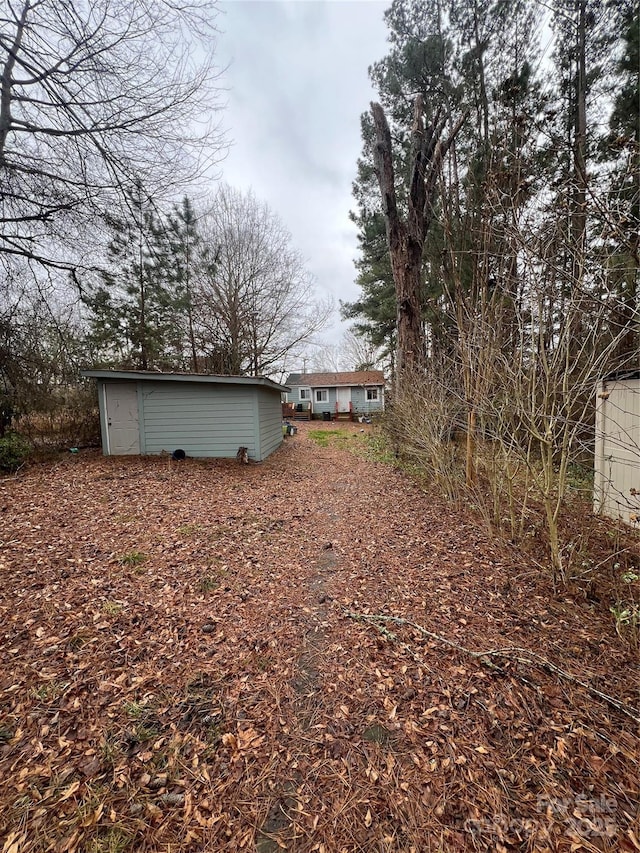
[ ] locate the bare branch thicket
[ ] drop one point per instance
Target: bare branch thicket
(323, 357)
(40, 346)
(358, 353)
(94, 98)
(519, 382)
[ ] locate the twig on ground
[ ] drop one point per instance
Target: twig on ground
(513, 653)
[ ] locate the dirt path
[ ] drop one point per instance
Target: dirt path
(180, 672)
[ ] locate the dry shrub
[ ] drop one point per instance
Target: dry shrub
(501, 489)
(427, 426)
(72, 421)
(14, 451)
(423, 424)
(600, 558)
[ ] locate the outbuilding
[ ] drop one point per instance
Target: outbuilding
(617, 446)
(143, 412)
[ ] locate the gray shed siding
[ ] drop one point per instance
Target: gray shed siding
(270, 421)
(202, 420)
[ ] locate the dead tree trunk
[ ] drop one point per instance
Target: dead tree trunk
(406, 237)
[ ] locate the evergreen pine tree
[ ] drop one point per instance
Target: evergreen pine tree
(137, 311)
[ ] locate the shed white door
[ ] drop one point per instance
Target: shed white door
(617, 462)
(344, 398)
(122, 418)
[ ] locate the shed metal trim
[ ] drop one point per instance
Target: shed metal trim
(212, 379)
(622, 375)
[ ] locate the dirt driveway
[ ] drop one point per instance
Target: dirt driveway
(182, 669)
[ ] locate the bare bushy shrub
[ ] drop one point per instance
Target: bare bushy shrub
(423, 424)
(72, 420)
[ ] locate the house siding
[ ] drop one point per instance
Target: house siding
(361, 404)
(203, 421)
(328, 405)
(358, 398)
(294, 395)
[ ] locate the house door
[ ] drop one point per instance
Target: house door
(121, 411)
(344, 399)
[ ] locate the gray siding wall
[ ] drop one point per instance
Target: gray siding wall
(328, 406)
(361, 404)
(270, 421)
(358, 398)
(203, 420)
(293, 396)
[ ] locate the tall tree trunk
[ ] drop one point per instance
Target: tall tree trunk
(406, 264)
(579, 206)
(406, 237)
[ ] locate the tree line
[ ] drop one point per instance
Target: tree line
(216, 288)
(498, 208)
(219, 289)
(109, 112)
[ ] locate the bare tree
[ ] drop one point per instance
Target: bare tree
(254, 304)
(325, 358)
(40, 343)
(358, 353)
(95, 97)
(352, 352)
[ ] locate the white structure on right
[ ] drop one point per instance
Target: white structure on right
(616, 488)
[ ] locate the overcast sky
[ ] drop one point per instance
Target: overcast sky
(297, 84)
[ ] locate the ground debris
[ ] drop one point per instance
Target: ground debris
(181, 671)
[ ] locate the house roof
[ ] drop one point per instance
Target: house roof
(324, 380)
(210, 378)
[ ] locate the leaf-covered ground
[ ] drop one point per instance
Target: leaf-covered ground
(182, 668)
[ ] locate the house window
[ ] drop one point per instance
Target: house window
(322, 395)
(372, 394)
(305, 394)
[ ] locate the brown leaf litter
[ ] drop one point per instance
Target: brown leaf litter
(181, 672)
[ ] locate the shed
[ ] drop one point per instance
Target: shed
(617, 446)
(143, 412)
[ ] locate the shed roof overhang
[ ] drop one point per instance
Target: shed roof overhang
(622, 375)
(203, 378)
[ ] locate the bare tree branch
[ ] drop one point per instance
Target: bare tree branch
(94, 98)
